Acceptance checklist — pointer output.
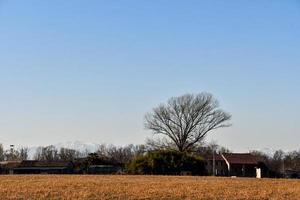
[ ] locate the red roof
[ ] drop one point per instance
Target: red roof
(218, 157)
(241, 158)
(35, 163)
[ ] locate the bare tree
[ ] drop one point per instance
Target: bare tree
(292, 160)
(185, 121)
(278, 161)
(2, 156)
(49, 153)
(68, 154)
(23, 153)
(120, 154)
(12, 154)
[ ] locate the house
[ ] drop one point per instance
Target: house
(236, 164)
(7, 167)
(221, 168)
(43, 167)
(104, 169)
(95, 166)
(77, 166)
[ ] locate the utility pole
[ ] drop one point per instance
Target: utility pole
(283, 167)
(214, 162)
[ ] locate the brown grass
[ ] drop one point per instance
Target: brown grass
(144, 187)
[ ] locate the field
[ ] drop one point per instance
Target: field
(144, 187)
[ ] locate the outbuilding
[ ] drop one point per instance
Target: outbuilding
(44, 167)
(236, 164)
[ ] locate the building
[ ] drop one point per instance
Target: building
(7, 167)
(78, 166)
(220, 167)
(104, 169)
(236, 164)
(36, 167)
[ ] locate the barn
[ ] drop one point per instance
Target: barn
(236, 164)
(43, 167)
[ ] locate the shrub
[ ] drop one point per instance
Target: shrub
(167, 163)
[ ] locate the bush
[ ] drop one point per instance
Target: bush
(167, 163)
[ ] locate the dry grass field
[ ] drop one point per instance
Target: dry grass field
(144, 187)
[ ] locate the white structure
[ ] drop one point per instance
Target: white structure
(258, 173)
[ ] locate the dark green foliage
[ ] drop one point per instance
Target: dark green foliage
(167, 163)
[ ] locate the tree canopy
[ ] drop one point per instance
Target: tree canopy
(185, 121)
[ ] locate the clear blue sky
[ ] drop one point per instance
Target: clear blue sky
(90, 70)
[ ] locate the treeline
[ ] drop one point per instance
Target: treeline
(120, 154)
(278, 162)
(11, 154)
